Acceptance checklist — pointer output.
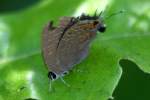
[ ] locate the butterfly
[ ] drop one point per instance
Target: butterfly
(67, 44)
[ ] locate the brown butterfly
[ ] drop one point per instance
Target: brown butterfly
(67, 44)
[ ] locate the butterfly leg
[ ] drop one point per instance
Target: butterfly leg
(61, 78)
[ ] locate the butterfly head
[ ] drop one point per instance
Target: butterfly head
(94, 22)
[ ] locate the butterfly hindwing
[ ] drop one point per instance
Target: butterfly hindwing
(50, 38)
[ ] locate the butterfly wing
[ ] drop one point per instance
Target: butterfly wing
(50, 38)
(73, 46)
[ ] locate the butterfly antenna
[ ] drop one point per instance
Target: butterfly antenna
(116, 13)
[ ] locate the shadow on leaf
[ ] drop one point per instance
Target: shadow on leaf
(134, 83)
(15, 5)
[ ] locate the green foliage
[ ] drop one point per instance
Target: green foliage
(24, 75)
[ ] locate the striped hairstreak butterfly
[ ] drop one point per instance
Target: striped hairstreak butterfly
(65, 45)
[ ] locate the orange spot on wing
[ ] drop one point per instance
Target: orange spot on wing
(87, 26)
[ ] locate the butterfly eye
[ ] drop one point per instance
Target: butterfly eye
(102, 28)
(52, 75)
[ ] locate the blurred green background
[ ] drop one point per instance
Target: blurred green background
(118, 64)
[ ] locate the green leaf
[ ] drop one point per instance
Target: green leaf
(24, 75)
